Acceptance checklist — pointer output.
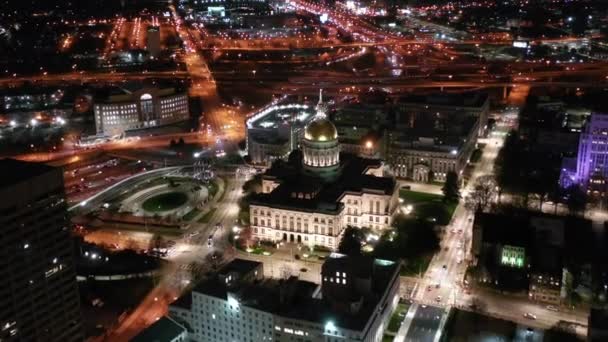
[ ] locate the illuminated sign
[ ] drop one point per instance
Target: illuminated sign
(520, 44)
(513, 256)
(216, 10)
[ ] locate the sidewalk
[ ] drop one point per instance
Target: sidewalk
(407, 322)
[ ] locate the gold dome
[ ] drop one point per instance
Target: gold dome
(320, 129)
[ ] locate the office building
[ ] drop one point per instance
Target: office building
(153, 41)
(435, 134)
(39, 298)
(428, 147)
(163, 330)
(354, 302)
(592, 158)
(276, 130)
(529, 251)
(141, 109)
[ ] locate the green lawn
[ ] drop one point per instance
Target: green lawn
(428, 206)
(207, 217)
(413, 267)
(476, 155)
(388, 338)
(226, 184)
(164, 202)
(397, 317)
(414, 197)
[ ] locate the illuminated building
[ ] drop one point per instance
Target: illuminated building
(592, 158)
(432, 146)
(528, 251)
(144, 108)
(353, 303)
(275, 131)
(163, 330)
(313, 202)
(38, 291)
(435, 134)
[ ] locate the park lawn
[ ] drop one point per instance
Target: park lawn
(476, 155)
(427, 206)
(397, 317)
(413, 267)
(166, 201)
(226, 182)
(192, 214)
(207, 217)
(415, 197)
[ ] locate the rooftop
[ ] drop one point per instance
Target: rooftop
(441, 133)
(544, 236)
(297, 299)
(240, 266)
(273, 116)
(470, 99)
(324, 197)
(17, 171)
(163, 330)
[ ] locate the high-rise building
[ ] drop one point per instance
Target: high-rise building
(153, 41)
(39, 298)
(593, 149)
(590, 170)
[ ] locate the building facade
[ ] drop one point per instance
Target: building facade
(353, 303)
(313, 203)
(38, 291)
(145, 108)
(592, 157)
(424, 157)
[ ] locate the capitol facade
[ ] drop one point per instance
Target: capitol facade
(312, 201)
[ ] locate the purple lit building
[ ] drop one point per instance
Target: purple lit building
(591, 168)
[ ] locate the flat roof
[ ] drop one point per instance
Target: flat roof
(327, 196)
(468, 99)
(299, 301)
(163, 330)
(270, 117)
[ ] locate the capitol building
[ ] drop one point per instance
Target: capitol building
(313, 199)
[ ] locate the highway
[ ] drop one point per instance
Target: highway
(117, 189)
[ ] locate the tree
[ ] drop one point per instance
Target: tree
(351, 241)
(412, 238)
(576, 199)
(451, 191)
(484, 192)
(509, 164)
(253, 185)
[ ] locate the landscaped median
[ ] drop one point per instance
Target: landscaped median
(395, 322)
(428, 206)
